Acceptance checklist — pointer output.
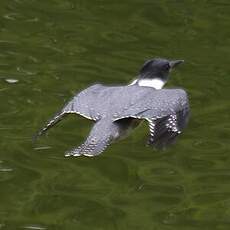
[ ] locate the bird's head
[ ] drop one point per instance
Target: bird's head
(155, 72)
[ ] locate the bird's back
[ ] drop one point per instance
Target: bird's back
(100, 101)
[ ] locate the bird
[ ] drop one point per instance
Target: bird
(117, 110)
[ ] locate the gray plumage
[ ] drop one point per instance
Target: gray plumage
(117, 109)
(102, 133)
(97, 103)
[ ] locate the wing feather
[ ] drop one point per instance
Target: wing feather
(167, 112)
(81, 104)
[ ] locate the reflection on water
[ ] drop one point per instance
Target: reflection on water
(52, 49)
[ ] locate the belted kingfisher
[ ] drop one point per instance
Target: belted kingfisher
(118, 109)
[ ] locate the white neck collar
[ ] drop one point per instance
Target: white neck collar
(155, 83)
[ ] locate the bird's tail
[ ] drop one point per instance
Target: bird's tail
(101, 135)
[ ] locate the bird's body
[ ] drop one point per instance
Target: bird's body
(118, 109)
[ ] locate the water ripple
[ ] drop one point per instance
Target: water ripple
(35, 227)
(119, 37)
(55, 48)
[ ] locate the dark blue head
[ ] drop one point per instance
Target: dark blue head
(158, 68)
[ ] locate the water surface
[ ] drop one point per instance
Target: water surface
(50, 50)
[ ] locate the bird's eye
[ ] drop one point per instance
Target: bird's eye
(166, 66)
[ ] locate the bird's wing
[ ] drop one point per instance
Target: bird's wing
(94, 103)
(166, 110)
(163, 131)
(100, 137)
(81, 104)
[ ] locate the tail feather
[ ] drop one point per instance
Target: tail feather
(98, 140)
(90, 148)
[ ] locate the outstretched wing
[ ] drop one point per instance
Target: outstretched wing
(98, 101)
(81, 104)
(167, 112)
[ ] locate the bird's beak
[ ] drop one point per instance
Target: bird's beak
(175, 63)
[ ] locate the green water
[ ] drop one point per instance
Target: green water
(55, 48)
